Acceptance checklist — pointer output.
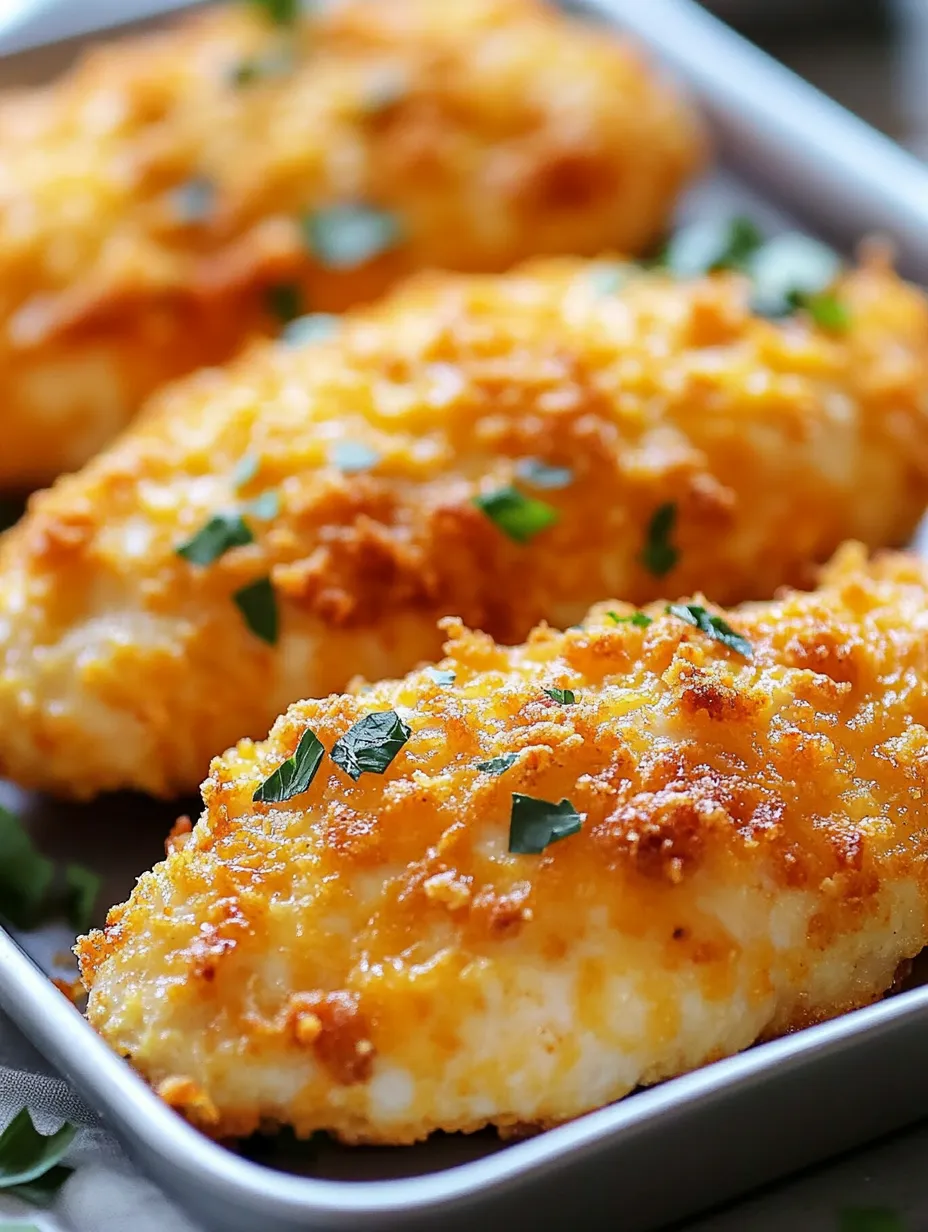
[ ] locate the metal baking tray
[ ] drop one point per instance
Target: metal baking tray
(790, 157)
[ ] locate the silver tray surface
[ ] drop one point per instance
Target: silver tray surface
(659, 1154)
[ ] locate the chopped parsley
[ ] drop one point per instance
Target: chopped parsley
(370, 745)
(281, 12)
(32, 890)
(791, 271)
(498, 765)
(247, 71)
(869, 1219)
(518, 516)
(353, 456)
(640, 620)
(25, 875)
(30, 1162)
(607, 279)
(713, 626)
(658, 554)
(566, 697)
(709, 245)
(313, 327)
(535, 824)
(541, 475)
(266, 506)
(220, 534)
(245, 470)
(293, 776)
(83, 887)
(827, 311)
(343, 237)
(441, 676)
(284, 301)
(193, 202)
(258, 605)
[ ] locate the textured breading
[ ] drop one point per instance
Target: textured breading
(150, 199)
(369, 958)
(124, 665)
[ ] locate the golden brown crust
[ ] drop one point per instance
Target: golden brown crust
(121, 664)
(740, 872)
(511, 131)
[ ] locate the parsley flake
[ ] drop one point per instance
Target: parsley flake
(869, 1219)
(25, 875)
(258, 605)
(789, 271)
(293, 776)
(343, 237)
(518, 516)
(535, 824)
(220, 534)
(284, 301)
(266, 506)
(658, 554)
(245, 470)
(827, 311)
(351, 457)
(281, 12)
(83, 887)
(706, 246)
(640, 620)
(30, 1162)
(566, 697)
(249, 69)
(313, 327)
(541, 475)
(193, 201)
(498, 765)
(370, 745)
(607, 279)
(441, 676)
(713, 626)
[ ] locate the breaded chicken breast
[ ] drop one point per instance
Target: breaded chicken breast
(503, 449)
(181, 191)
(513, 888)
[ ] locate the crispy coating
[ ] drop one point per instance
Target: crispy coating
(150, 199)
(368, 958)
(123, 665)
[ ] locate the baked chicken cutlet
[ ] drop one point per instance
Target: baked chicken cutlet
(514, 887)
(179, 192)
(505, 449)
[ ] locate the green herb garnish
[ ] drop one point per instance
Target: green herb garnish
(293, 776)
(281, 12)
(83, 887)
(441, 676)
(640, 620)
(541, 475)
(566, 697)
(346, 236)
(25, 875)
(370, 745)
(658, 554)
(353, 456)
(827, 311)
(607, 279)
(30, 1162)
(313, 327)
(869, 1219)
(713, 626)
(258, 605)
(220, 534)
(247, 71)
(285, 301)
(706, 246)
(498, 765)
(245, 470)
(789, 271)
(535, 824)
(518, 516)
(266, 506)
